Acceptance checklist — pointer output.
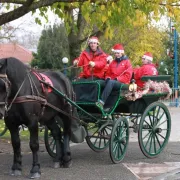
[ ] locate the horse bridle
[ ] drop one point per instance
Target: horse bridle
(7, 84)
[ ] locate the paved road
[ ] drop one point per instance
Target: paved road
(88, 165)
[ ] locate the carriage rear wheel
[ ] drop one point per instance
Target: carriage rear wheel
(119, 140)
(98, 136)
(154, 129)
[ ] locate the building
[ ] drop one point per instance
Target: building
(16, 51)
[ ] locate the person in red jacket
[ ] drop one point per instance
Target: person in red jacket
(92, 60)
(119, 71)
(147, 69)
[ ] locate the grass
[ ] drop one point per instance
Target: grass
(24, 135)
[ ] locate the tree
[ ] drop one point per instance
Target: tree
(52, 47)
(84, 18)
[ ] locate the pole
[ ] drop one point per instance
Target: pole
(65, 70)
(176, 67)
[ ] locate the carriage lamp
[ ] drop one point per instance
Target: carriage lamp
(65, 61)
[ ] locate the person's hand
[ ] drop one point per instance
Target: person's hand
(109, 59)
(92, 64)
(75, 62)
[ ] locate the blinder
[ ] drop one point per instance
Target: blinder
(7, 84)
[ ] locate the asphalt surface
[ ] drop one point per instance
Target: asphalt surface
(89, 165)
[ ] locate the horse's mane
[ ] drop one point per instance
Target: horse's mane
(14, 63)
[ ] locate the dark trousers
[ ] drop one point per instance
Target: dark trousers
(110, 85)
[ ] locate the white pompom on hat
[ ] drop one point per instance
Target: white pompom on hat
(93, 39)
(118, 48)
(148, 56)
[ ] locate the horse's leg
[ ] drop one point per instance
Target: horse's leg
(34, 145)
(56, 133)
(16, 144)
(67, 161)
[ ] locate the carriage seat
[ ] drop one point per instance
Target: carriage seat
(90, 91)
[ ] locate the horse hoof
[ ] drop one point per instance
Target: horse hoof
(56, 165)
(35, 175)
(15, 173)
(67, 164)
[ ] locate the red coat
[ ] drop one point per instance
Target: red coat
(144, 70)
(99, 57)
(122, 71)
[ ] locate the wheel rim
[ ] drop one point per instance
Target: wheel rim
(119, 140)
(155, 129)
(98, 140)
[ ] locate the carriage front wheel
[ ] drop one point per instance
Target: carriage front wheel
(119, 140)
(154, 129)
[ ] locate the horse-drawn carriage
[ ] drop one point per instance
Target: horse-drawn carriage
(109, 127)
(26, 98)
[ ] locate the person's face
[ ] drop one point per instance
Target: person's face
(93, 46)
(144, 61)
(118, 54)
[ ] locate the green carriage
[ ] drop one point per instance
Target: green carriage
(109, 127)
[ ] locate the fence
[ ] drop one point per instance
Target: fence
(174, 99)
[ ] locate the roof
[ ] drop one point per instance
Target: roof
(16, 51)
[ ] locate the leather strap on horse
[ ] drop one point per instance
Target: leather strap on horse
(31, 98)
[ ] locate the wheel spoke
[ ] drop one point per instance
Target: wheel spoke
(121, 148)
(160, 117)
(154, 144)
(115, 146)
(51, 142)
(100, 141)
(147, 123)
(148, 140)
(150, 144)
(161, 123)
(104, 133)
(123, 131)
(54, 146)
(150, 119)
(95, 141)
(161, 135)
(146, 135)
(158, 140)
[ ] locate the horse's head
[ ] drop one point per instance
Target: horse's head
(4, 87)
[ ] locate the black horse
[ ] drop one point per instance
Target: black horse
(23, 101)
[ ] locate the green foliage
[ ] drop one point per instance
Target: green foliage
(52, 47)
(138, 40)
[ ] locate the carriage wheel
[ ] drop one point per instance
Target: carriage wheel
(119, 140)
(3, 128)
(49, 141)
(154, 129)
(98, 137)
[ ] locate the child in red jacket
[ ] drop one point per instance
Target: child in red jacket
(119, 71)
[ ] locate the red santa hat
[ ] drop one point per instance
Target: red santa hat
(93, 39)
(118, 48)
(148, 56)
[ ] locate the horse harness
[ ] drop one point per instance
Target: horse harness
(29, 98)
